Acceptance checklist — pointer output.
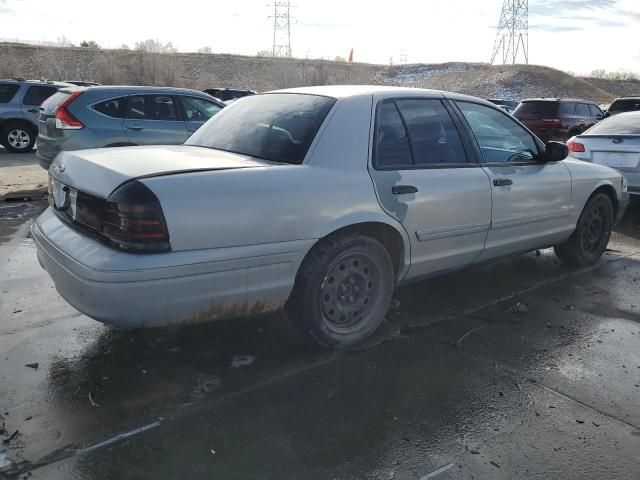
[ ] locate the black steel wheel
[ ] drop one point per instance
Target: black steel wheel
(343, 290)
(591, 236)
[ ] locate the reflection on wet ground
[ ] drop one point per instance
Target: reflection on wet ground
(521, 368)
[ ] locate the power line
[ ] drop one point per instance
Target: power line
(512, 37)
(281, 29)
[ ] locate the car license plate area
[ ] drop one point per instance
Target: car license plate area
(616, 159)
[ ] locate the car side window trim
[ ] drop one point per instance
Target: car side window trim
(468, 163)
(179, 116)
(476, 144)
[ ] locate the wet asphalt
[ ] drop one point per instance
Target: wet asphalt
(522, 368)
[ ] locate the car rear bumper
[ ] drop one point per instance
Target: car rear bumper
(166, 288)
(633, 182)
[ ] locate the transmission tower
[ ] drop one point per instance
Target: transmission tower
(403, 56)
(512, 38)
(281, 29)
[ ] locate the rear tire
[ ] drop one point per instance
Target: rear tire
(18, 138)
(591, 236)
(342, 291)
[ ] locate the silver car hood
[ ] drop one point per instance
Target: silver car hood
(100, 171)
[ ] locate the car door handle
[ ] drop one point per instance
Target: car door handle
(33, 110)
(403, 189)
(135, 127)
(502, 182)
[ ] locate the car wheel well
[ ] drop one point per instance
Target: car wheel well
(609, 191)
(21, 122)
(388, 236)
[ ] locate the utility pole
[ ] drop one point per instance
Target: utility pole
(281, 29)
(403, 56)
(512, 37)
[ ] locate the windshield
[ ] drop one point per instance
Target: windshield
(624, 124)
(278, 126)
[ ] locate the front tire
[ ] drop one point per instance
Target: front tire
(343, 290)
(18, 138)
(591, 236)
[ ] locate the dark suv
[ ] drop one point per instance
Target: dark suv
(227, 94)
(624, 104)
(558, 119)
(19, 108)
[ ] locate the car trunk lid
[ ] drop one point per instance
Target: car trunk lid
(617, 151)
(99, 172)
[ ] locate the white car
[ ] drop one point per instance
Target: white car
(321, 200)
(614, 142)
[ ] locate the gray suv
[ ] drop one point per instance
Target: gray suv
(93, 117)
(19, 102)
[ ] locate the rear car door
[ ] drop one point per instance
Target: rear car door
(197, 111)
(531, 200)
(584, 117)
(33, 98)
(154, 119)
(427, 178)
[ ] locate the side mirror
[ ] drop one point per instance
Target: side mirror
(554, 152)
(600, 116)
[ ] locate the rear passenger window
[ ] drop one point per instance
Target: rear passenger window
(567, 108)
(7, 91)
(114, 107)
(583, 110)
(392, 148)
(433, 136)
(38, 94)
(151, 107)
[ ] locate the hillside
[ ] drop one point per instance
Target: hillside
(263, 73)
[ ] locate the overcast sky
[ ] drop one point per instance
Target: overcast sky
(572, 35)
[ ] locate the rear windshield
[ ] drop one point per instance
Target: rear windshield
(7, 91)
(50, 104)
(625, 105)
(617, 125)
(276, 126)
(547, 109)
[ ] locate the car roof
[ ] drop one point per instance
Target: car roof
(36, 82)
(137, 89)
(557, 100)
(627, 98)
(344, 91)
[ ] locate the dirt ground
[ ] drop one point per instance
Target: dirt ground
(20, 171)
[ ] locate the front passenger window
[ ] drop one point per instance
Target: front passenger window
(501, 138)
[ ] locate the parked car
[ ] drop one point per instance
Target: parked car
(558, 119)
(623, 104)
(83, 83)
(228, 94)
(94, 117)
(614, 142)
(507, 108)
(318, 199)
(503, 101)
(19, 102)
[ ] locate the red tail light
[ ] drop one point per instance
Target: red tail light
(574, 146)
(64, 119)
(133, 220)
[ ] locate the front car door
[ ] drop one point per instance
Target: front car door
(531, 200)
(425, 175)
(197, 111)
(154, 120)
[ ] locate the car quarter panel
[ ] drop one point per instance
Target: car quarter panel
(586, 179)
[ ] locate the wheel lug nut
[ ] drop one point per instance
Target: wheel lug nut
(356, 289)
(342, 298)
(352, 281)
(351, 299)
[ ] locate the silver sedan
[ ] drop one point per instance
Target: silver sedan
(614, 142)
(320, 200)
